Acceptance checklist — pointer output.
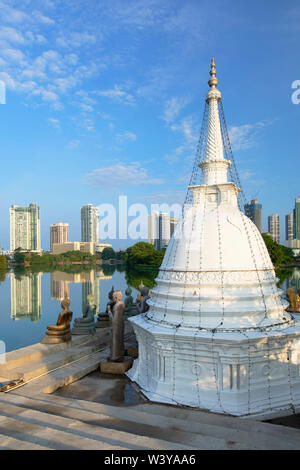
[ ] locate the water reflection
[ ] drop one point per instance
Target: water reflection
(60, 282)
(290, 278)
(26, 296)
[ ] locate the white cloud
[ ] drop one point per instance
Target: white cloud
(13, 55)
(54, 123)
(164, 197)
(73, 144)
(189, 129)
(12, 35)
(120, 175)
(76, 40)
(37, 15)
(173, 108)
(12, 15)
(117, 94)
(127, 135)
(245, 137)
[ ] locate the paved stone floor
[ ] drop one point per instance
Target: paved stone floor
(109, 389)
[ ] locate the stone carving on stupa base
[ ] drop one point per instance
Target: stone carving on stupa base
(103, 318)
(294, 300)
(86, 324)
(141, 303)
(117, 362)
(60, 333)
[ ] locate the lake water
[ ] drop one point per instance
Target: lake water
(31, 301)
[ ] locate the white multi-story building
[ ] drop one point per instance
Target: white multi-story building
(160, 229)
(274, 227)
(89, 224)
(25, 229)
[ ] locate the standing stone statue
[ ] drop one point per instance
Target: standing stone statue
(60, 333)
(141, 304)
(117, 323)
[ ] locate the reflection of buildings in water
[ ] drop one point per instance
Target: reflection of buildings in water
(25, 295)
(295, 279)
(90, 284)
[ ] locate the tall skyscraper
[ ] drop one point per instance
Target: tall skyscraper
(160, 229)
(89, 224)
(253, 211)
(173, 222)
(289, 226)
(59, 233)
(274, 227)
(297, 219)
(25, 229)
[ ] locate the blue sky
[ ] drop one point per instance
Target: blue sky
(105, 98)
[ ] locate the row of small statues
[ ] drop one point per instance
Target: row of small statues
(116, 309)
(131, 308)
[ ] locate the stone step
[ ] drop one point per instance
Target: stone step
(244, 424)
(65, 375)
(58, 432)
(37, 351)
(47, 363)
(10, 443)
(201, 435)
(123, 420)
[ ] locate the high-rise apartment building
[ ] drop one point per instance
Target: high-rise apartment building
(274, 227)
(297, 219)
(89, 224)
(25, 229)
(289, 226)
(160, 229)
(253, 211)
(59, 233)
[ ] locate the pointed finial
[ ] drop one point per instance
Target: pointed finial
(213, 81)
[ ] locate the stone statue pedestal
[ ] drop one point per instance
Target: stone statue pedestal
(83, 328)
(54, 335)
(102, 321)
(110, 367)
(132, 352)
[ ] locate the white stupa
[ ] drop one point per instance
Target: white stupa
(217, 335)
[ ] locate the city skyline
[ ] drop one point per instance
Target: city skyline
(89, 214)
(95, 108)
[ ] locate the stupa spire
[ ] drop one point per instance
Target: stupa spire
(214, 166)
(213, 81)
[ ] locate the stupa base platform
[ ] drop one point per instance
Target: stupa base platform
(241, 373)
(119, 368)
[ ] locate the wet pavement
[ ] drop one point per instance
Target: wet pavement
(116, 390)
